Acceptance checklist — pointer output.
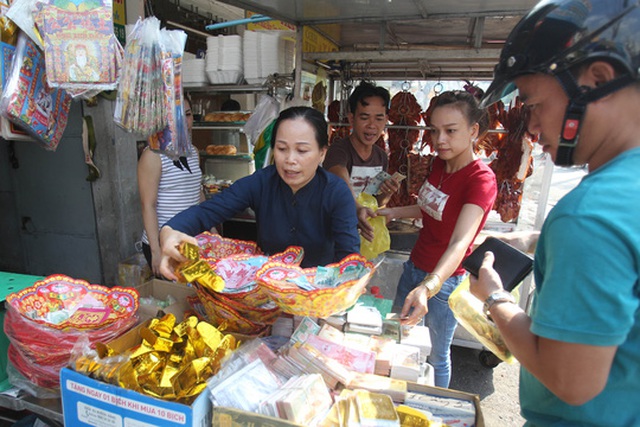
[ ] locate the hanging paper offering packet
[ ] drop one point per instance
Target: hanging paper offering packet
(140, 106)
(81, 51)
(28, 101)
(174, 140)
(9, 130)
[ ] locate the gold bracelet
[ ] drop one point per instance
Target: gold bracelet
(433, 284)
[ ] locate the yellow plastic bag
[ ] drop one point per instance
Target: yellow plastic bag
(468, 310)
(381, 238)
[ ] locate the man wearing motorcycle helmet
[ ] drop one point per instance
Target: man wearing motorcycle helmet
(576, 65)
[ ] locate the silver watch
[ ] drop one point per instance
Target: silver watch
(496, 297)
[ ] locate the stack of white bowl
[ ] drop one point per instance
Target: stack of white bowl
(224, 59)
(251, 57)
(288, 58)
(193, 72)
(263, 55)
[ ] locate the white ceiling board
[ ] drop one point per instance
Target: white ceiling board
(311, 12)
(470, 31)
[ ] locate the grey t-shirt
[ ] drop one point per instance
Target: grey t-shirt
(361, 171)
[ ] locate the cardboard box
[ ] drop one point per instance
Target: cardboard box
(445, 392)
(230, 417)
(89, 402)
(161, 289)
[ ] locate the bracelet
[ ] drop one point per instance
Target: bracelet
(433, 283)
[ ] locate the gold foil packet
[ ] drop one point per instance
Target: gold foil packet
(189, 251)
(163, 326)
(197, 270)
(171, 364)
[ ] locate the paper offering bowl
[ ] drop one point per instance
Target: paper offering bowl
(321, 303)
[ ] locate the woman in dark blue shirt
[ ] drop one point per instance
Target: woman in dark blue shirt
(295, 201)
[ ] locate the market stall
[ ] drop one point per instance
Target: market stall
(260, 302)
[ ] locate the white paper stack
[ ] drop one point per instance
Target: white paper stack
(224, 59)
(452, 411)
(351, 358)
(364, 319)
(406, 364)
(396, 389)
(301, 400)
(193, 72)
(417, 336)
(311, 361)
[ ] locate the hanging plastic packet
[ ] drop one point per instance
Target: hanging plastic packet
(82, 54)
(8, 30)
(9, 130)
(21, 13)
(263, 115)
(139, 104)
(381, 238)
(174, 140)
(29, 102)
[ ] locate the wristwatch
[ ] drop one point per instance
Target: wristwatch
(497, 297)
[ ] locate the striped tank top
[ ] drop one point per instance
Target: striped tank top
(178, 189)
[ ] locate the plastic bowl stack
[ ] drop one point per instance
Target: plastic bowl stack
(263, 55)
(193, 72)
(224, 59)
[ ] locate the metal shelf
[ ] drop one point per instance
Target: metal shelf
(217, 127)
(226, 88)
(417, 127)
(51, 409)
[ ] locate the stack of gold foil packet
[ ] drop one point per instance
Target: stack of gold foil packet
(195, 269)
(172, 362)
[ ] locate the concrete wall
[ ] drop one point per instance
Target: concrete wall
(11, 249)
(115, 194)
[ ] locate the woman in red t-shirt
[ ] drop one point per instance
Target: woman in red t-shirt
(453, 204)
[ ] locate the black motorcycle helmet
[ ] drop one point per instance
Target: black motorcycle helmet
(555, 38)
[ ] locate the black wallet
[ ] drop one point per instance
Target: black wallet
(511, 264)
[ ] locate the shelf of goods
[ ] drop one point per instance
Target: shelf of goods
(212, 126)
(212, 89)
